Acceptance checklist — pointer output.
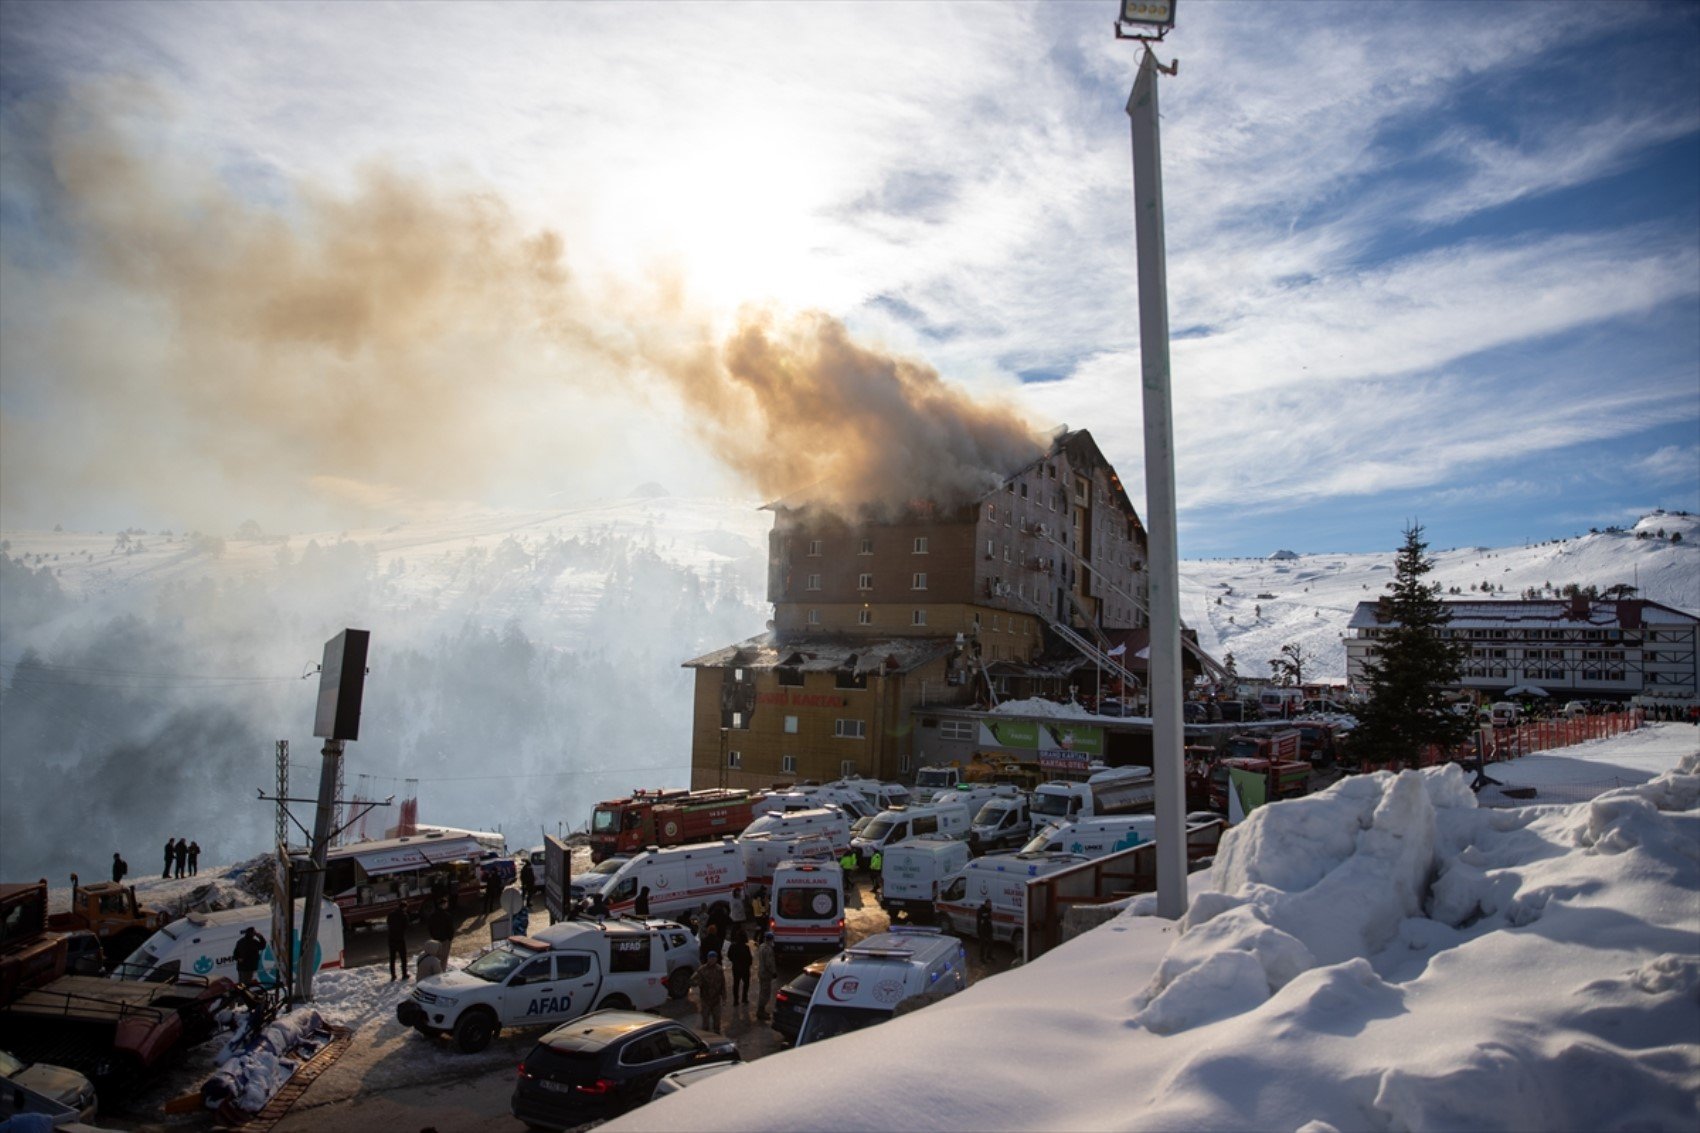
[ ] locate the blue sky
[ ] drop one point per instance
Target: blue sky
(1432, 260)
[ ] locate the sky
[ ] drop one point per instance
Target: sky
(327, 266)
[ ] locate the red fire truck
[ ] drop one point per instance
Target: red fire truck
(1272, 755)
(666, 818)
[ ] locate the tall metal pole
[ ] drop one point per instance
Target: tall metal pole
(1165, 671)
(313, 892)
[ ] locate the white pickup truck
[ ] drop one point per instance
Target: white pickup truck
(553, 976)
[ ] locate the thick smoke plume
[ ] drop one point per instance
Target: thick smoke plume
(398, 341)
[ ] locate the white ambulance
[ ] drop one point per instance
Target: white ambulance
(763, 852)
(866, 984)
(827, 822)
(1001, 879)
(553, 976)
(1096, 837)
(679, 878)
(203, 944)
(899, 824)
(808, 906)
(911, 872)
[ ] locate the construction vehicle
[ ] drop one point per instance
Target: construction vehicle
(667, 818)
(992, 767)
(112, 913)
(1272, 756)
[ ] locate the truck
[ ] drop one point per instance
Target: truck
(666, 818)
(1116, 790)
(1003, 821)
(937, 777)
(1271, 757)
(112, 913)
(911, 872)
(553, 976)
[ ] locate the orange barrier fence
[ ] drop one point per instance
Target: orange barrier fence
(1498, 744)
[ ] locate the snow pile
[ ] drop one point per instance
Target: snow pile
(1039, 706)
(1384, 954)
(255, 1070)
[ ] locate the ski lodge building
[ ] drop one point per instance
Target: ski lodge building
(1007, 596)
(1577, 649)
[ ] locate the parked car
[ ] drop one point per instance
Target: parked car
(679, 1079)
(791, 1002)
(604, 1064)
(67, 1087)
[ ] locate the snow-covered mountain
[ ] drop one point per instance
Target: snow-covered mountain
(524, 664)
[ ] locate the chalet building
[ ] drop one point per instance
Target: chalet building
(875, 617)
(1580, 648)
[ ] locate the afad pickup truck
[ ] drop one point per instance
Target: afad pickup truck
(554, 976)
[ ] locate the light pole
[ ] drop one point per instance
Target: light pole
(1148, 21)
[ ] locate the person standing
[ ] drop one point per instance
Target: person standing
(120, 867)
(247, 954)
(492, 891)
(983, 929)
(170, 855)
(182, 856)
(711, 989)
(395, 929)
(640, 906)
(427, 965)
(194, 858)
(767, 967)
(740, 908)
(527, 881)
(738, 951)
(441, 928)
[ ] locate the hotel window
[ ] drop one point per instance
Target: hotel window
(790, 677)
(960, 730)
(864, 617)
(846, 768)
(992, 512)
(788, 764)
(790, 725)
(814, 617)
(814, 548)
(849, 729)
(813, 582)
(920, 544)
(734, 759)
(867, 547)
(919, 582)
(903, 764)
(918, 618)
(864, 582)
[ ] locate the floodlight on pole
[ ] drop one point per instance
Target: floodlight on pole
(1163, 562)
(1147, 20)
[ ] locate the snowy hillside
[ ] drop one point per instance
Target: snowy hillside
(1253, 607)
(523, 665)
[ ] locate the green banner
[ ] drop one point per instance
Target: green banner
(1250, 786)
(1022, 734)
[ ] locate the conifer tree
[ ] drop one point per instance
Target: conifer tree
(1413, 663)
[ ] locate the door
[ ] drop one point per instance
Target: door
(533, 995)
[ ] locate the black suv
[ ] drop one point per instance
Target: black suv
(792, 1001)
(605, 1063)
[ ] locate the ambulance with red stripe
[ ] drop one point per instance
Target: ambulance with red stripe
(867, 984)
(680, 879)
(1001, 879)
(808, 905)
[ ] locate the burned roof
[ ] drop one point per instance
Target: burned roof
(828, 654)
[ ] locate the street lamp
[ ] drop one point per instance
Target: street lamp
(1145, 20)
(1151, 19)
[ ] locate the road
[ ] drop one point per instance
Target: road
(393, 1079)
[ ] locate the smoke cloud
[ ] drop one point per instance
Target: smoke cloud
(400, 341)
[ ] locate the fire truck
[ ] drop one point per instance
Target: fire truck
(1272, 755)
(666, 818)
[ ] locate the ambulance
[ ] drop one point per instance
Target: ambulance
(763, 852)
(866, 984)
(204, 945)
(900, 823)
(679, 878)
(553, 976)
(827, 822)
(808, 906)
(1001, 879)
(911, 872)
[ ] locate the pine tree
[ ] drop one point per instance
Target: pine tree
(1413, 663)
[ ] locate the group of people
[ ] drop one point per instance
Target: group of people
(180, 853)
(711, 976)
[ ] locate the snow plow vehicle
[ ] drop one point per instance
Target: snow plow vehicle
(113, 914)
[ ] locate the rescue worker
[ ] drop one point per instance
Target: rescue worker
(740, 908)
(983, 929)
(849, 862)
(767, 967)
(738, 951)
(395, 929)
(247, 954)
(441, 928)
(527, 881)
(492, 891)
(711, 989)
(874, 864)
(640, 905)
(120, 867)
(599, 905)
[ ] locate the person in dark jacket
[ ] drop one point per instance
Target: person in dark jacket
(120, 867)
(395, 928)
(711, 990)
(194, 858)
(640, 906)
(247, 954)
(182, 856)
(170, 855)
(983, 929)
(492, 891)
(738, 952)
(527, 881)
(441, 927)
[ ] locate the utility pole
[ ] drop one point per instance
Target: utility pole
(1150, 20)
